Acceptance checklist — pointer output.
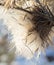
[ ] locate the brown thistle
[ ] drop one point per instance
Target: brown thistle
(43, 21)
(41, 18)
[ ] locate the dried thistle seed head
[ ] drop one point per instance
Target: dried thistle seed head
(43, 22)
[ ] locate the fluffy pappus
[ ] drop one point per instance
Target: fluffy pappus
(43, 22)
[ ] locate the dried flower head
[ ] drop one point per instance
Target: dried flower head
(43, 22)
(41, 18)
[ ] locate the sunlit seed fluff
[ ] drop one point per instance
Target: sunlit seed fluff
(42, 21)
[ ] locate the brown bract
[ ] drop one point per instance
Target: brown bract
(43, 22)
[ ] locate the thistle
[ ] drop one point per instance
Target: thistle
(43, 22)
(41, 18)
